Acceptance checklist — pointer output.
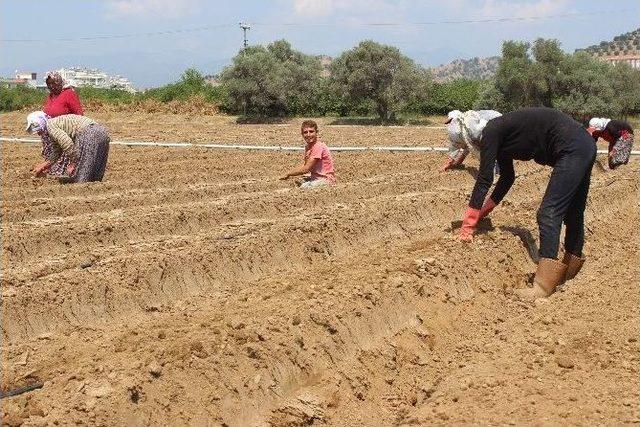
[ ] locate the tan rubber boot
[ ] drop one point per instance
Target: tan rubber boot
(549, 275)
(574, 264)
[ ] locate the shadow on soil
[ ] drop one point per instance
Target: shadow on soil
(258, 120)
(527, 240)
(375, 121)
(485, 225)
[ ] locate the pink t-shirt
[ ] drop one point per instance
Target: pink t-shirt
(324, 166)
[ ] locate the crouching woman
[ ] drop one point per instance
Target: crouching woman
(84, 141)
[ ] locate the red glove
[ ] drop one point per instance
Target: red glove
(448, 164)
(487, 207)
(41, 168)
(71, 168)
(469, 223)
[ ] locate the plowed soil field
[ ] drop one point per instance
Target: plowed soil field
(191, 287)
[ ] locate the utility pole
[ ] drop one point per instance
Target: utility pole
(245, 27)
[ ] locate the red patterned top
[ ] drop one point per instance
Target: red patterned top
(67, 102)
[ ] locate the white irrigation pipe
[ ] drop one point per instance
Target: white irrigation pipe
(263, 147)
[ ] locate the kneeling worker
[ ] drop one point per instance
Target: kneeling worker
(317, 159)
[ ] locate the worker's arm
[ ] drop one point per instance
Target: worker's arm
(61, 143)
(302, 169)
(507, 177)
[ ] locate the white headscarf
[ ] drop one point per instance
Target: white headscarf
(598, 123)
(37, 121)
(469, 126)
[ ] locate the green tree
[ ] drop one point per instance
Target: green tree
(379, 74)
(626, 85)
(458, 94)
(545, 71)
(272, 81)
(512, 82)
(526, 76)
(578, 84)
(585, 87)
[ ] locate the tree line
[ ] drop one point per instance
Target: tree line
(374, 79)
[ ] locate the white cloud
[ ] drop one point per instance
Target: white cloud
(153, 8)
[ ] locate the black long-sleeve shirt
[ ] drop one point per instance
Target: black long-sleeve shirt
(531, 133)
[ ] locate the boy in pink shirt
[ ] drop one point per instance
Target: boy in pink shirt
(317, 159)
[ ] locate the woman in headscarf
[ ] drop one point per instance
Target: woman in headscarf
(618, 134)
(552, 138)
(458, 130)
(62, 99)
(82, 140)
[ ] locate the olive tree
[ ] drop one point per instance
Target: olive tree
(379, 74)
(585, 87)
(526, 76)
(272, 81)
(578, 84)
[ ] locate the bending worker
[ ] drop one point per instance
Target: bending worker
(85, 142)
(618, 134)
(551, 138)
(459, 130)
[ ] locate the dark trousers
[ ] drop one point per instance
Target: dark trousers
(565, 199)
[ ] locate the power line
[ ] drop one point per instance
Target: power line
(464, 21)
(335, 24)
(121, 36)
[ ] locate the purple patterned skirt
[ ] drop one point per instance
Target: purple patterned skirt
(92, 143)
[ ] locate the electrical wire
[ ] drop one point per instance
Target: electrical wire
(121, 36)
(335, 24)
(463, 21)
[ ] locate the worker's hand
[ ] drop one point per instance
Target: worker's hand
(448, 164)
(41, 168)
(469, 224)
(488, 206)
(71, 169)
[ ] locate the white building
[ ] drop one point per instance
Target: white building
(28, 78)
(78, 77)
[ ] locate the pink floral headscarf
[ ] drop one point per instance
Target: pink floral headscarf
(55, 82)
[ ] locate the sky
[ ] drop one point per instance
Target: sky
(152, 42)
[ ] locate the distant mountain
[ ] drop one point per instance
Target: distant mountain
(474, 68)
(622, 45)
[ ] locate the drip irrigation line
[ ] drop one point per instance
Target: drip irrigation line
(264, 147)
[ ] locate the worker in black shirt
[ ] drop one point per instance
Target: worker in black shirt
(552, 138)
(618, 134)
